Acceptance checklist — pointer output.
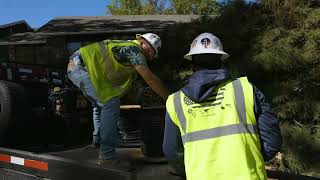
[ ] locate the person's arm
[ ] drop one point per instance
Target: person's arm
(132, 55)
(268, 125)
(152, 80)
(172, 147)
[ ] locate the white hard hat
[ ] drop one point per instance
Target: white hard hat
(154, 40)
(206, 43)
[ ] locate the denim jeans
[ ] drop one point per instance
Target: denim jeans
(105, 115)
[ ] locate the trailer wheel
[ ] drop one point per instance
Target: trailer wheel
(12, 106)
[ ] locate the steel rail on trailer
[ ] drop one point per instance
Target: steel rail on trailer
(16, 164)
(79, 164)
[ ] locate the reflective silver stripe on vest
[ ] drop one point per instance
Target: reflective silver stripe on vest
(240, 103)
(116, 78)
(178, 109)
(220, 131)
(242, 127)
(104, 55)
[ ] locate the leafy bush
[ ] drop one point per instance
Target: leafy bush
(300, 151)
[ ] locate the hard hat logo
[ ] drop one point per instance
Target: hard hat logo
(205, 42)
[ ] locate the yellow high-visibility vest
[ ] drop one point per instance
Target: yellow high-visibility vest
(220, 136)
(109, 77)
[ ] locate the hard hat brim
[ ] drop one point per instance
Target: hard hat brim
(206, 51)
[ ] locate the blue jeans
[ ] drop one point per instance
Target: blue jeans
(105, 115)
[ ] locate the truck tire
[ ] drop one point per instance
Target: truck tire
(13, 106)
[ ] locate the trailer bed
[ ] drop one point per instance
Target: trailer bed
(144, 168)
(80, 164)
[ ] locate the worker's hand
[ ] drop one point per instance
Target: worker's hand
(152, 80)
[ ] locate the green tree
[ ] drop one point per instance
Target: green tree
(136, 7)
(140, 7)
(289, 47)
(203, 7)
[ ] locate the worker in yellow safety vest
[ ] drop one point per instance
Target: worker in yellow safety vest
(217, 127)
(104, 72)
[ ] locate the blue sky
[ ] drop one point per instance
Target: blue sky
(39, 12)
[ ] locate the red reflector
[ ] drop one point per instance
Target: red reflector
(36, 164)
(5, 158)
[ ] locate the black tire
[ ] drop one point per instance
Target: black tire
(13, 105)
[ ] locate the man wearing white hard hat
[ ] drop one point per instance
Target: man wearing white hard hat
(104, 72)
(217, 127)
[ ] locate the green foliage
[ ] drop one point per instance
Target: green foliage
(307, 112)
(289, 48)
(203, 7)
(292, 40)
(136, 7)
(144, 7)
(301, 148)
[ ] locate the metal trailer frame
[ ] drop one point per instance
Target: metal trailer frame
(57, 168)
(13, 166)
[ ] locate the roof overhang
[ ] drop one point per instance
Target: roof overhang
(22, 43)
(114, 24)
(23, 38)
(132, 30)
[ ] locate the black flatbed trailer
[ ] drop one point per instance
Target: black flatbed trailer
(80, 164)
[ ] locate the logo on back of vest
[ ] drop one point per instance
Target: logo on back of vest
(191, 112)
(201, 112)
(207, 112)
